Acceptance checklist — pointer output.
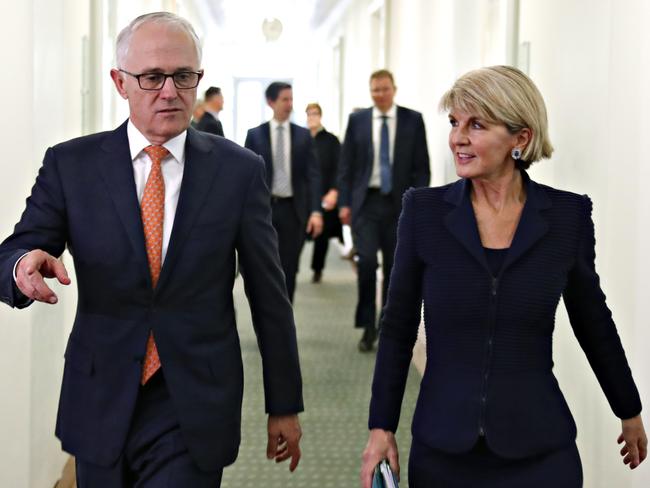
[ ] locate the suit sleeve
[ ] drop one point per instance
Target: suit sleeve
(399, 326)
(314, 175)
(594, 328)
(421, 168)
(41, 226)
(344, 180)
(334, 154)
(249, 143)
(271, 310)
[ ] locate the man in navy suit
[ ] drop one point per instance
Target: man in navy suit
(153, 379)
(292, 174)
(383, 154)
(213, 104)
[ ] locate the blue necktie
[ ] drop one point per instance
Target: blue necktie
(384, 158)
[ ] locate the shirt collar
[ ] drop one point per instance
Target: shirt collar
(275, 124)
(213, 113)
(137, 143)
(391, 113)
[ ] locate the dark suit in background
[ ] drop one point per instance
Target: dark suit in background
(209, 123)
(328, 150)
(374, 215)
(488, 388)
(290, 215)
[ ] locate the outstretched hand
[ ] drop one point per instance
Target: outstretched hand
(31, 271)
(284, 439)
(635, 449)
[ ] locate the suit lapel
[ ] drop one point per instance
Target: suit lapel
(116, 169)
(401, 136)
(295, 171)
(267, 152)
(461, 221)
(198, 177)
(368, 128)
(532, 224)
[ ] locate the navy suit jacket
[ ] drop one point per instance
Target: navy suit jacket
(410, 158)
(209, 123)
(489, 339)
(85, 198)
(305, 170)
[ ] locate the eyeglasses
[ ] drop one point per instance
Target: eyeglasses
(183, 80)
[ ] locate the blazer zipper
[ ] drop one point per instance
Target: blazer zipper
(494, 288)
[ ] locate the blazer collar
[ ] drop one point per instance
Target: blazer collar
(461, 221)
(116, 169)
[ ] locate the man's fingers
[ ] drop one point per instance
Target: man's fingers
(294, 451)
(30, 282)
(271, 446)
(643, 452)
(634, 456)
(59, 271)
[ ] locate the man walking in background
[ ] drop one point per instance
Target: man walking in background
(153, 213)
(213, 104)
(383, 154)
(292, 174)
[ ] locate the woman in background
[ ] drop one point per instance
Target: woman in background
(490, 256)
(327, 148)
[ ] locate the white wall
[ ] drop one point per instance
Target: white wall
(588, 58)
(42, 106)
(594, 78)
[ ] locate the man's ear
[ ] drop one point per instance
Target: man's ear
(117, 78)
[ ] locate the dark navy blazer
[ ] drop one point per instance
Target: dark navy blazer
(489, 338)
(410, 158)
(85, 198)
(305, 169)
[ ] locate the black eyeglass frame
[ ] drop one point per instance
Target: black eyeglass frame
(165, 76)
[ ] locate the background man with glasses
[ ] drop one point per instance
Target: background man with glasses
(152, 214)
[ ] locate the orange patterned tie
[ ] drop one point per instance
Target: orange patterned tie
(153, 213)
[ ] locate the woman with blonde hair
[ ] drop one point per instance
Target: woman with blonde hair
(490, 256)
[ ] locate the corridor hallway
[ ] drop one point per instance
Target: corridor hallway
(336, 389)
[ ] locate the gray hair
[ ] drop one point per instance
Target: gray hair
(168, 18)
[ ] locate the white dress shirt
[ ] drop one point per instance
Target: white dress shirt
(287, 150)
(391, 121)
(172, 169)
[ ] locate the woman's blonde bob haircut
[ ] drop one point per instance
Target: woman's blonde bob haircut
(504, 95)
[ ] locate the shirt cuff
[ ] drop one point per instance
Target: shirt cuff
(16, 265)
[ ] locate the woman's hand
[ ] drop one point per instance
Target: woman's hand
(636, 442)
(381, 445)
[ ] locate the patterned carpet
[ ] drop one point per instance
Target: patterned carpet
(336, 381)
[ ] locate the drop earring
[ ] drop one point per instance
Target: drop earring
(516, 154)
